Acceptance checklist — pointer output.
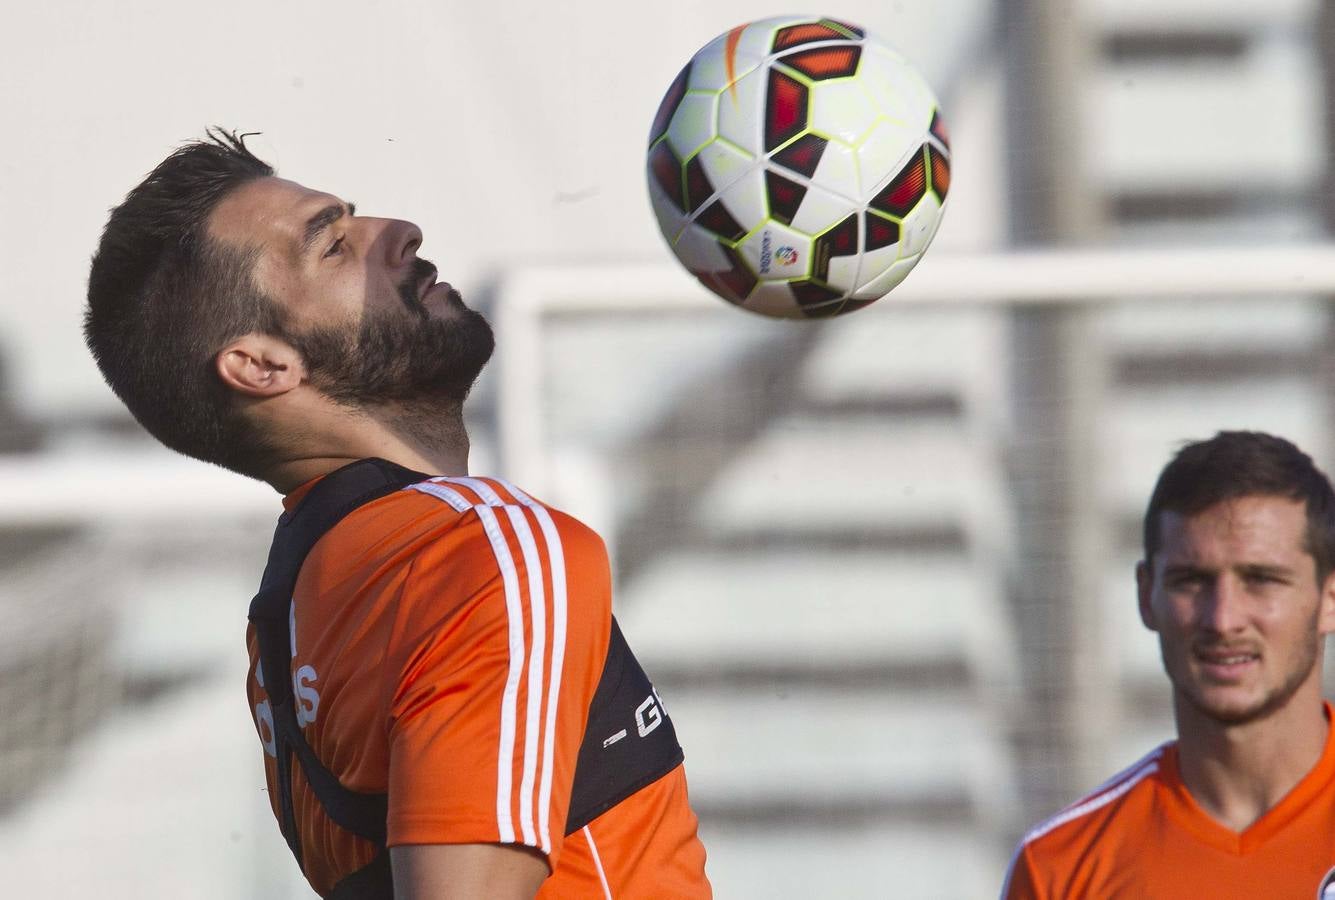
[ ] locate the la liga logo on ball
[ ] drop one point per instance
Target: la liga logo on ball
(798, 167)
(784, 256)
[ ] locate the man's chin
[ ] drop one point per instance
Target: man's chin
(1229, 711)
(1234, 704)
(395, 361)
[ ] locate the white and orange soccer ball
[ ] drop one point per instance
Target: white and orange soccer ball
(798, 167)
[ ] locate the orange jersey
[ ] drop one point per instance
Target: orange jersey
(1142, 835)
(447, 640)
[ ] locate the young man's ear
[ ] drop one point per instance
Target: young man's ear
(1144, 591)
(260, 365)
(1326, 607)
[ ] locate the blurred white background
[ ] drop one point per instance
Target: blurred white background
(894, 548)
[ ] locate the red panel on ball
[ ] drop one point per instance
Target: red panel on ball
(802, 155)
(666, 169)
(733, 284)
(841, 240)
(717, 219)
(794, 35)
(671, 100)
(825, 62)
(880, 232)
(938, 129)
(908, 187)
(813, 297)
(785, 109)
(784, 197)
(940, 173)
(698, 188)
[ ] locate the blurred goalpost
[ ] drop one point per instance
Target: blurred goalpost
(526, 297)
(37, 489)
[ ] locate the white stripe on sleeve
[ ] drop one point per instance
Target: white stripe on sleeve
(538, 720)
(537, 653)
(556, 558)
(506, 751)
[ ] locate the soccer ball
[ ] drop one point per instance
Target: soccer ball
(797, 167)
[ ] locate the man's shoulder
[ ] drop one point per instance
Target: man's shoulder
(1098, 829)
(493, 501)
(444, 500)
(1110, 802)
(456, 515)
(470, 492)
(383, 527)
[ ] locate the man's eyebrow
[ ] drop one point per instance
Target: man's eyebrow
(317, 223)
(1184, 568)
(1264, 569)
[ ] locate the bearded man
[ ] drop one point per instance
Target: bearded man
(446, 705)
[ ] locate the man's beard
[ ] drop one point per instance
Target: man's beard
(392, 359)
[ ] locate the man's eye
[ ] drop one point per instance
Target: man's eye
(335, 248)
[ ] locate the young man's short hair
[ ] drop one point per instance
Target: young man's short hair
(1235, 464)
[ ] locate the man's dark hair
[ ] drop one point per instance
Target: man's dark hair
(1235, 464)
(163, 298)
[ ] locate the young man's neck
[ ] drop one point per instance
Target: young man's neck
(1236, 773)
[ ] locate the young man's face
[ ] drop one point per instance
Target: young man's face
(367, 314)
(1232, 592)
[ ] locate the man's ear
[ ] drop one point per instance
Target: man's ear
(1144, 591)
(1326, 609)
(260, 365)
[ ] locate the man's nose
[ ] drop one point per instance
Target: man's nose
(1223, 607)
(395, 241)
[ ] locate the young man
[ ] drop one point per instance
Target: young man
(446, 706)
(1237, 582)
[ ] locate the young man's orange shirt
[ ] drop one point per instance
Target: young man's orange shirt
(1143, 836)
(448, 639)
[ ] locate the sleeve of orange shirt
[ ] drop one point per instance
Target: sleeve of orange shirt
(497, 649)
(1021, 883)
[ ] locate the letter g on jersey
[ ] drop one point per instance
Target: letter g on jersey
(648, 716)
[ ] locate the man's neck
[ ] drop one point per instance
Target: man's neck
(1236, 773)
(431, 441)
